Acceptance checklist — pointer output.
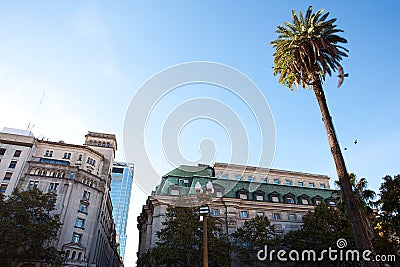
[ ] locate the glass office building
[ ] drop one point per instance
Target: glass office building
(121, 185)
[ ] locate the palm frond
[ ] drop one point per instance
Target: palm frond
(307, 48)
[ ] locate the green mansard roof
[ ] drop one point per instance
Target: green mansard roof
(203, 174)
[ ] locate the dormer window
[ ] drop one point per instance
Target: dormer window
(274, 197)
(289, 198)
(277, 181)
(258, 195)
(218, 190)
(288, 182)
(311, 184)
(317, 200)
(304, 199)
(250, 179)
(331, 202)
(242, 194)
(175, 190)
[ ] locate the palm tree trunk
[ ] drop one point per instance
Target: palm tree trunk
(358, 224)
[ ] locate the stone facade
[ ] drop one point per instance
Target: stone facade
(15, 150)
(240, 193)
(80, 176)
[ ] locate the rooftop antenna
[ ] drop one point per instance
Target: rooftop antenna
(34, 113)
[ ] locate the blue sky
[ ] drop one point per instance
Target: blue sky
(90, 57)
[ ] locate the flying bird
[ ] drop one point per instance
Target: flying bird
(341, 76)
(355, 142)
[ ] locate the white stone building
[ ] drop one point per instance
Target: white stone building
(80, 176)
(240, 193)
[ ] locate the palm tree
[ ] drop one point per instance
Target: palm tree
(307, 50)
(365, 196)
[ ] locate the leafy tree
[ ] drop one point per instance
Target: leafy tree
(305, 51)
(180, 241)
(320, 230)
(253, 236)
(388, 222)
(28, 229)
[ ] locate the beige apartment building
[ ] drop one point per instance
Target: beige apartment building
(16, 148)
(80, 176)
(240, 193)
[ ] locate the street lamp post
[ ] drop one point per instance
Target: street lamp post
(204, 196)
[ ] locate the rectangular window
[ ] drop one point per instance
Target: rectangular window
(243, 196)
(83, 208)
(219, 194)
(174, 192)
(277, 181)
(12, 165)
(300, 183)
(275, 199)
(251, 179)
(322, 186)
(76, 238)
(304, 201)
(311, 185)
(79, 223)
(86, 195)
(214, 212)
(292, 217)
(288, 182)
(331, 203)
(3, 188)
(7, 177)
(53, 186)
(264, 180)
(33, 184)
(290, 200)
(224, 176)
(260, 198)
(71, 175)
(238, 177)
(183, 181)
(244, 214)
(260, 214)
(2, 151)
(317, 202)
(277, 216)
(17, 153)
